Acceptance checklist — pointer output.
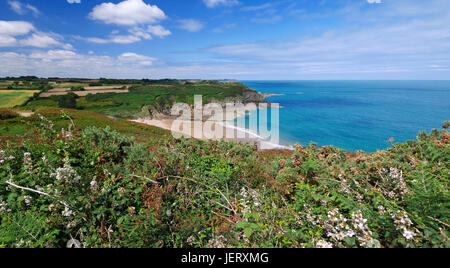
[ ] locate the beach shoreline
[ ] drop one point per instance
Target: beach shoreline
(230, 131)
(238, 134)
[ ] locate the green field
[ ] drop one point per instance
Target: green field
(11, 98)
(129, 105)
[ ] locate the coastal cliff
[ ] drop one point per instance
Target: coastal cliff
(158, 111)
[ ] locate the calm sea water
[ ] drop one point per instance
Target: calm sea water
(357, 115)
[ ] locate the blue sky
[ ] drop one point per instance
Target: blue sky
(215, 39)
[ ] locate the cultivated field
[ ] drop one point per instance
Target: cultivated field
(88, 90)
(11, 98)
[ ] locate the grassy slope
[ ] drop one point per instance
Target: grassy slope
(19, 127)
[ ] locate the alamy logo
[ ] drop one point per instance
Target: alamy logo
(244, 122)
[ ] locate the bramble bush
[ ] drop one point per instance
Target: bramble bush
(98, 188)
(7, 114)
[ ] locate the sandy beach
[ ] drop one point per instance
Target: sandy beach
(237, 134)
(212, 127)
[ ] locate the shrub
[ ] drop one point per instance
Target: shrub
(68, 101)
(95, 84)
(98, 188)
(7, 114)
(77, 88)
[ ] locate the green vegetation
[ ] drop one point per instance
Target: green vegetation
(12, 98)
(94, 187)
(70, 85)
(68, 101)
(14, 128)
(135, 103)
(77, 88)
(7, 114)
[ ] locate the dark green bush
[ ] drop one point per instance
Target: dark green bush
(68, 101)
(77, 88)
(7, 114)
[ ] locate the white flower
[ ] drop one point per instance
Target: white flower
(402, 223)
(51, 207)
(44, 158)
(27, 162)
(190, 240)
(324, 244)
(408, 234)
(2, 206)
(67, 212)
(219, 242)
(121, 190)
(93, 183)
(66, 173)
(47, 123)
(28, 200)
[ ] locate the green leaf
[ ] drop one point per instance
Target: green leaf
(248, 232)
(241, 224)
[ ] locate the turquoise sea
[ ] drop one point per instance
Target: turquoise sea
(357, 115)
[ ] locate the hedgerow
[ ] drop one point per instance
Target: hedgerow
(98, 188)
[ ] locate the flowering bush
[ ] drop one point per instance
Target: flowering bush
(97, 188)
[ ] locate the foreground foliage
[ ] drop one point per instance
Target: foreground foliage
(99, 188)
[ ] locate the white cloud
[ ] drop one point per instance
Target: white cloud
(131, 57)
(191, 25)
(125, 39)
(16, 6)
(54, 55)
(41, 40)
(33, 9)
(140, 33)
(21, 9)
(74, 1)
(158, 30)
(257, 8)
(65, 63)
(146, 33)
(374, 1)
(10, 30)
(136, 35)
(215, 3)
(139, 16)
(403, 48)
(7, 41)
(117, 39)
(14, 28)
(400, 39)
(128, 12)
(95, 40)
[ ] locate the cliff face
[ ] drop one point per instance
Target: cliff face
(252, 96)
